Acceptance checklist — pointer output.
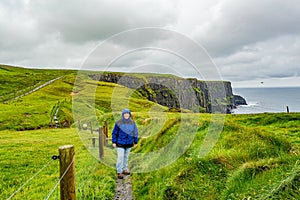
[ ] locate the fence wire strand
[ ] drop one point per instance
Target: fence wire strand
(86, 170)
(18, 190)
(53, 189)
(56, 184)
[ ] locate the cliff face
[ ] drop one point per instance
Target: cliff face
(238, 100)
(179, 93)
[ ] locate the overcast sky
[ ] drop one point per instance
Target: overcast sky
(249, 42)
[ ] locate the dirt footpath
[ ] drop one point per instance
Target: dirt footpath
(124, 189)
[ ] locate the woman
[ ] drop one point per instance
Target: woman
(124, 136)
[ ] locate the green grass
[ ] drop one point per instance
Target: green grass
(15, 81)
(255, 157)
(24, 153)
(33, 111)
(249, 161)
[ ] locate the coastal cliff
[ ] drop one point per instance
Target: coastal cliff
(177, 93)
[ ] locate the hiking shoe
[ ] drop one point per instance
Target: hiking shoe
(120, 176)
(125, 172)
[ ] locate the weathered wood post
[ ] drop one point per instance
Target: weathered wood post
(101, 143)
(79, 125)
(106, 132)
(106, 128)
(287, 109)
(91, 127)
(67, 172)
(94, 142)
(104, 135)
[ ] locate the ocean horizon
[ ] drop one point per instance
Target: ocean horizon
(270, 100)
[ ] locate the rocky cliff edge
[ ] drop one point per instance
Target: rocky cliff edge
(179, 93)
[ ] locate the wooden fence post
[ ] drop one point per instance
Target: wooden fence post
(94, 142)
(67, 172)
(106, 132)
(91, 127)
(101, 143)
(287, 109)
(104, 135)
(79, 125)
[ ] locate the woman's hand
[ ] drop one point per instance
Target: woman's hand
(135, 145)
(114, 145)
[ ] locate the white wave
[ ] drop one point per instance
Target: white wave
(250, 104)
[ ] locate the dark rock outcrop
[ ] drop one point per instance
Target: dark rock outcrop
(175, 92)
(238, 100)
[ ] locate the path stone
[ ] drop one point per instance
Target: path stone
(124, 189)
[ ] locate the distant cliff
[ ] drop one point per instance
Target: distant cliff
(238, 100)
(178, 93)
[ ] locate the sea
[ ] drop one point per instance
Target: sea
(268, 100)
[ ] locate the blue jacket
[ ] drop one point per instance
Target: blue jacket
(125, 132)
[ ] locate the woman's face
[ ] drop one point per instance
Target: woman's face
(126, 115)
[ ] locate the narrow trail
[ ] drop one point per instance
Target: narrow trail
(124, 189)
(34, 89)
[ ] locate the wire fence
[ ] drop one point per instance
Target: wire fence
(84, 175)
(55, 186)
(29, 180)
(35, 88)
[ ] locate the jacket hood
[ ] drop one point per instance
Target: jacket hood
(126, 111)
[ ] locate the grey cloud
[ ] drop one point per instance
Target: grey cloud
(18, 28)
(79, 20)
(239, 23)
(274, 58)
(46, 33)
(152, 45)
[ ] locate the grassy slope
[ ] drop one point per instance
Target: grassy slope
(255, 156)
(33, 111)
(17, 80)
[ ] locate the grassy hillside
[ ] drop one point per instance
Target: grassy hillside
(256, 160)
(256, 157)
(34, 110)
(15, 81)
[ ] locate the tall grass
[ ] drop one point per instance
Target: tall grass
(249, 161)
